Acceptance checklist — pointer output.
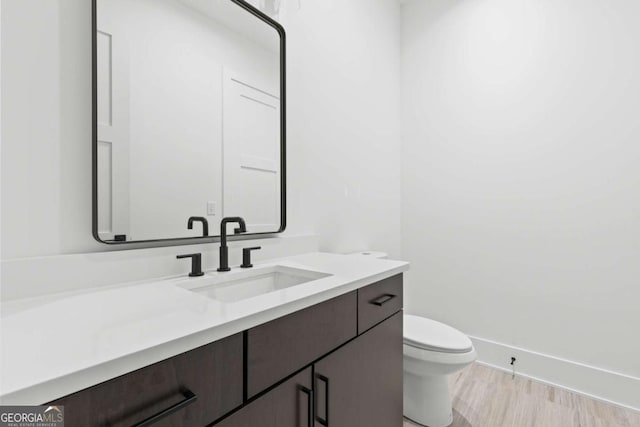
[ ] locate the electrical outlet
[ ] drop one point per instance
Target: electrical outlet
(211, 208)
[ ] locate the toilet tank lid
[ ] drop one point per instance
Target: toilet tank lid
(371, 254)
(435, 336)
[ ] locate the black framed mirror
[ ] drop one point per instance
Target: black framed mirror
(189, 120)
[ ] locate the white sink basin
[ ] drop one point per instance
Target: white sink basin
(240, 285)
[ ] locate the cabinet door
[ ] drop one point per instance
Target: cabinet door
(288, 405)
(361, 383)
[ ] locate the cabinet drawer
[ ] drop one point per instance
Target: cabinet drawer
(200, 386)
(378, 301)
(279, 348)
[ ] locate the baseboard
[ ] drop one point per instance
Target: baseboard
(611, 387)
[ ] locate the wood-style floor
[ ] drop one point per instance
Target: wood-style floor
(486, 397)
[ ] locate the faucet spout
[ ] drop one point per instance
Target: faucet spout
(203, 220)
(224, 250)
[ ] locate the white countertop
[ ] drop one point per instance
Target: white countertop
(58, 344)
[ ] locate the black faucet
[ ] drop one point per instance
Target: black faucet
(224, 250)
(246, 256)
(203, 220)
(196, 264)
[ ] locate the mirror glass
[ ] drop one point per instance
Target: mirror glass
(188, 109)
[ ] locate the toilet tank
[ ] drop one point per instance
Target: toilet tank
(372, 254)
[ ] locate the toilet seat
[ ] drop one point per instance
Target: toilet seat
(427, 334)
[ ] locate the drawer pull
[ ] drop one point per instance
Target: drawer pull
(380, 301)
(189, 398)
(309, 394)
(323, 420)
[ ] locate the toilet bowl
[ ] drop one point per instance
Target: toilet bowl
(432, 351)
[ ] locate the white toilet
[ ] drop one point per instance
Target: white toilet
(432, 351)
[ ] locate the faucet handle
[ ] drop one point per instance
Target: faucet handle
(196, 264)
(246, 256)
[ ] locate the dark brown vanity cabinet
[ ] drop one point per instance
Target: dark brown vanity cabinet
(358, 385)
(352, 346)
(334, 364)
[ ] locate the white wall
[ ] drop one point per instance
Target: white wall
(0, 147)
(520, 174)
(37, 67)
(343, 112)
(344, 177)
